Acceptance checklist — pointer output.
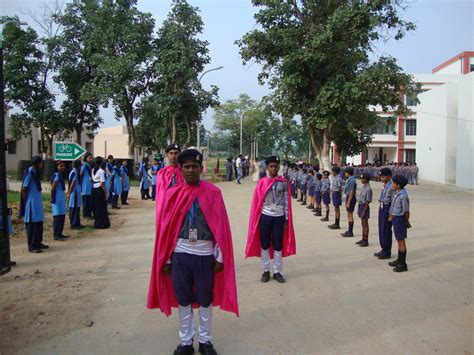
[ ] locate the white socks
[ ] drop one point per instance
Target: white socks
(277, 261)
(186, 324)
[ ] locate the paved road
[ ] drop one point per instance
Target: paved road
(338, 299)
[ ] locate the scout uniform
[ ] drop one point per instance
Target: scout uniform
(385, 227)
(317, 193)
(364, 198)
(351, 185)
(304, 186)
(336, 192)
(325, 184)
(75, 201)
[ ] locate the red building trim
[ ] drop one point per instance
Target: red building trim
(463, 56)
(362, 157)
(400, 133)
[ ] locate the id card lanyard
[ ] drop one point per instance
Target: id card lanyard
(273, 208)
(193, 236)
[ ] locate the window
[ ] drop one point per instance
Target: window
(385, 127)
(410, 128)
(410, 155)
(11, 147)
(472, 68)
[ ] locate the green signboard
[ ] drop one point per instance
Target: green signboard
(67, 151)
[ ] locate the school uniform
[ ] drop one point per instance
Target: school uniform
(272, 220)
(109, 170)
(228, 171)
(31, 209)
(317, 190)
(116, 186)
(154, 171)
(385, 227)
(325, 183)
(144, 182)
(336, 190)
(101, 215)
(364, 197)
(311, 183)
(86, 190)
(75, 201)
(351, 185)
(400, 206)
(58, 205)
(125, 184)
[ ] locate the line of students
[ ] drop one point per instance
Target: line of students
(393, 214)
(88, 188)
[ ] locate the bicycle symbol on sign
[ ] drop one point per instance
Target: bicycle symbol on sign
(65, 148)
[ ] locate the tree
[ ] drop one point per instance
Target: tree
(76, 71)
(27, 72)
(288, 135)
(178, 94)
(256, 120)
(316, 59)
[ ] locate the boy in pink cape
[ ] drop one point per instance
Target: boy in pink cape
(193, 262)
(271, 233)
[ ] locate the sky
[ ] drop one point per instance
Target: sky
(444, 29)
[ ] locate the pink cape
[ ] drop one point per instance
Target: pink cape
(253, 239)
(176, 203)
(163, 181)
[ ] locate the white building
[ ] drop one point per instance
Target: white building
(447, 92)
(114, 141)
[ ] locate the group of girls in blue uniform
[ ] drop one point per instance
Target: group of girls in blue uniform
(91, 186)
(339, 188)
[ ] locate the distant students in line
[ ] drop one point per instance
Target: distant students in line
(58, 201)
(116, 184)
(143, 178)
(125, 182)
(74, 196)
(86, 186)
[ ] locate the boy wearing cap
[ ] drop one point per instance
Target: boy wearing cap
(271, 233)
(336, 194)
(31, 206)
(325, 184)
(193, 262)
(385, 227)
(350, 192)
(364, 198)
(399, 215)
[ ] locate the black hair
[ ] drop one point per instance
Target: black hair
(110, 157)
(98, 162)
(87, 155)
(76, 164)
(36, 159)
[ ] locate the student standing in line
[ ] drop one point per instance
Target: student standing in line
(144, 179)
(99, 193)
(400, 218)
(193, 261)
(109, 170)
(317, 194)
(154, 171)
(86, 186)
(304, 186)
(125, 182)
(271, 234)
(116, 184)
(336, 196)
(239, 166)
(350, 190)
(228, 169)
(385, 227)
(311, 184)
(325, 194)
(74, 196)
(31, 206)
(58, 202)
(364, 198)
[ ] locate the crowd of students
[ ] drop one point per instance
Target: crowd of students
(338, 187)
(92, 185)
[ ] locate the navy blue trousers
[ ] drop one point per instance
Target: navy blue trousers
(74, 217)
(193, 278)
(87, 205)
(271, 232)
(58, 225)
(34, 234)
(385, 231)
(124, 197)
(114, 200)
(153, 192)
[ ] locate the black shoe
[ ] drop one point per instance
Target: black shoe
(347, 234)
(324, 219)
(184, 350)
(78, 227)
(60, 239)
(359, 242)
(36, 251)
(384, 257)
(303, 203)
(265, 276)
(279, 277)
(125, 204)
(365, 243)
(207, 348)
(310, 207)
(394, 263)
(43, 246)
(378, 254)
(400, 267)
(12, 263)
(334, 226)
(64, 236)
(153, 199)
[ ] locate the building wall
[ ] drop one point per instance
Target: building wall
(453, 68)
(465, 133)
(114, 141)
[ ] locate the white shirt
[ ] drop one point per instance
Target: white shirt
(238, 162)
(98, 177)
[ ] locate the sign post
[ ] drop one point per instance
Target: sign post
(67, 151)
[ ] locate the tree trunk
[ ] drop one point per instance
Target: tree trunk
(78, 135)
(321, 142)
(173, 130)
(188, 132)
(50, 146)
(131, 133)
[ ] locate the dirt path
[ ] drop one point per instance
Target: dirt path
(338, 299)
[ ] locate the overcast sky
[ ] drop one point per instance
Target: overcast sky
(444, 29)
